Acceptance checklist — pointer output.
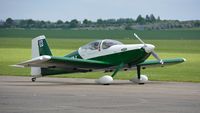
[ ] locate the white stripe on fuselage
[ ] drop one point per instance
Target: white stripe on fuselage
(88, 54)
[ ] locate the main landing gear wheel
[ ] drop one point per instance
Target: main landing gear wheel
(105, 80)
(33, 79)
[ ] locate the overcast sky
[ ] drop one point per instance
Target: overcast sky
(54, 10)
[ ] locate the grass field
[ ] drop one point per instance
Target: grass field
(14, 49)
(101, 34)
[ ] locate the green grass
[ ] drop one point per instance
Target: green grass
(190, 34)
(14, 50)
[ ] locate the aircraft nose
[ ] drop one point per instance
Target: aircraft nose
(149, 48)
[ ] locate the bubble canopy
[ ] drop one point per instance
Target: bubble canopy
(101, 44)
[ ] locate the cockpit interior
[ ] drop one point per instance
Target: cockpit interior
(101, 44)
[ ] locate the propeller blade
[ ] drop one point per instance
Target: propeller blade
(139, 38)
(152, 52)
(157, 57)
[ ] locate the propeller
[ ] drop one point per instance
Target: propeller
(152, 51)
(157, 57)
(139, 39)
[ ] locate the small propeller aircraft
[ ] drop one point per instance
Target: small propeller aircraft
(107, 55)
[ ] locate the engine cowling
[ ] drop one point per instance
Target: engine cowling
(105, 80)
(143, 79)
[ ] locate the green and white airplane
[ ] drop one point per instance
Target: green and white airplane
(102, 55)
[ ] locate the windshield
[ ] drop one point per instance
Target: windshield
(108, 43)
(93, 45)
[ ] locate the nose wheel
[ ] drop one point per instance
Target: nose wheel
(33, 79)
(140, 79)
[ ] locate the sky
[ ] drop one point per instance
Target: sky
(54, 10)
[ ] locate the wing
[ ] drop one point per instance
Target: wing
(46, 61)
(156, 63)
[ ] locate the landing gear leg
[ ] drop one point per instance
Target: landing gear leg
(140, 79)
(106, 80)
(117, 69)
(33, 79)
(139, 75)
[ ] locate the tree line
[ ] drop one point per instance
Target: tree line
(148, 22)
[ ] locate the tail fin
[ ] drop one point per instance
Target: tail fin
(39, 48)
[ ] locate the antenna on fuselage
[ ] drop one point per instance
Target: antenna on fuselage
(152, 52)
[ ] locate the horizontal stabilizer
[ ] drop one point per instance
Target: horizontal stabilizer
(18, 66)
(33, 61)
